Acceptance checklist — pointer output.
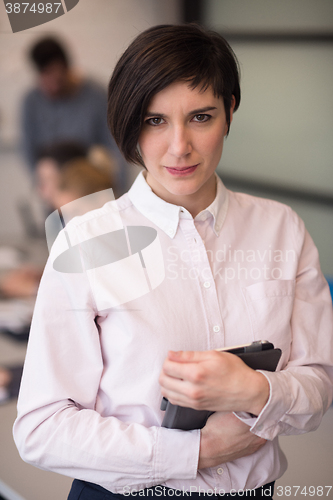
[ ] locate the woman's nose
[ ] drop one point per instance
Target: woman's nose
(180, 142)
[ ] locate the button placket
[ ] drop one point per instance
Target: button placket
(222, 477)
(206, 281)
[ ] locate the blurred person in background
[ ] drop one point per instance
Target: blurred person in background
(23, 281)
(79, 179)
(66, 182)
(64, 173)
(63, 106)
(51, 160)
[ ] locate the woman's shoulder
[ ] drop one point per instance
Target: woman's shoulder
(246, 201)
(260, 210)
(108, 214)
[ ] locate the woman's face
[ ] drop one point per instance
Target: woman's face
(181, 144)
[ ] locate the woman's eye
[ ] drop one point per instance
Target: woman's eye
(154, 121)
(202, 118)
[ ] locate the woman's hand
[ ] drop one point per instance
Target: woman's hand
(225, 438)
(215, 381)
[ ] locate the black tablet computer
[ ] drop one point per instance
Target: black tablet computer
(260, 355)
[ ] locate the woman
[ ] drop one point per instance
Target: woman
(207, 268)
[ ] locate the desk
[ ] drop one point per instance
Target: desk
(27, 481)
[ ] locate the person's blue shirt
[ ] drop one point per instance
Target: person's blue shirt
(80, 117)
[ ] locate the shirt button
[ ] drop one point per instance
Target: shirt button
(206, 284)
(220, 471)
(216, 328)
(170, 232)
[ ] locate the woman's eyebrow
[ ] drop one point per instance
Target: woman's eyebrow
(202, 110)
(193, 112)
(151, 113)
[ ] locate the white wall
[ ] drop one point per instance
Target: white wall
(283, 129)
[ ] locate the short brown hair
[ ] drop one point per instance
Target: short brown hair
(158, 57)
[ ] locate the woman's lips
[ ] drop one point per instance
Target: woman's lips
(181, 171)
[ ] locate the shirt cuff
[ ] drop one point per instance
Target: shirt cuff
(267, 424)
(177, 454)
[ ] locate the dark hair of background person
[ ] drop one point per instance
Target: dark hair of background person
(46, 51)
(160, 56)
(63, 152)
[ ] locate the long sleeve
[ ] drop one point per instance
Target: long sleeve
(58, 427)
(302, 391)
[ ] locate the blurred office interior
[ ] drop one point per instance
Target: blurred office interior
(280, 146)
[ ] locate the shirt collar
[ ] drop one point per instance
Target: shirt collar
(166, 215)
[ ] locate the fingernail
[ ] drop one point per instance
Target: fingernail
(175, 354)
